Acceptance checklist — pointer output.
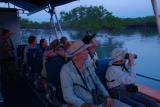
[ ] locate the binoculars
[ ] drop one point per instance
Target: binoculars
(128, 54)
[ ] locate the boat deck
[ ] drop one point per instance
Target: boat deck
(22, 95)
(154, 94)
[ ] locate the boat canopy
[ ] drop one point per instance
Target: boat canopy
(36, 5)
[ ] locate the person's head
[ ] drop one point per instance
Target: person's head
(55, 44)
(65, 42)
(117, 56)
(43, 43)
(78, 51)
(32, 40)
(5, 33)
(90, 39)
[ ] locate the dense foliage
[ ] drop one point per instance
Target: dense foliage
(94, 19)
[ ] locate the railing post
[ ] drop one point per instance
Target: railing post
(156, 12)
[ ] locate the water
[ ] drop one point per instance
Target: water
(146, 47)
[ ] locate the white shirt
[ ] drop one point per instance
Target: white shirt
(119, 76)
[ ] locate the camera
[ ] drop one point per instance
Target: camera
(128, 54)
(132, 88)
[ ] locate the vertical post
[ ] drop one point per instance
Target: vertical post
(59, 25)
(156, 12)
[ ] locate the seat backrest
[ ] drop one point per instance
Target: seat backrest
(53, 68)
(35, 59)
(20, 51)
(102, 66)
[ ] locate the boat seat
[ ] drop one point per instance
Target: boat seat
(152, 93)
(53, 68)
(20, 54)
(102, 66)
(35, 60)
(20, 50)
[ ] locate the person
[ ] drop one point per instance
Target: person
(122, 80)
(65, 43)
(55, 49)
(8, 66)
(79, 83)
(7, 53)
(90, 39)
(43, 45)
(32, 43)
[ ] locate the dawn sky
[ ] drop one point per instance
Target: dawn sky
(120, 8)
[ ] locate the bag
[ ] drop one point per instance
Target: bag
(132, 88)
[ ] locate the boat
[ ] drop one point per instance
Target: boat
(26, 93)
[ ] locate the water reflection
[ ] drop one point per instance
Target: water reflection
(105, 49)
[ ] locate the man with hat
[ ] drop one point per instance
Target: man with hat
(122, 80)
(80, 85)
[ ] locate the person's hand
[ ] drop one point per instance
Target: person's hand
(88, 105)
(131, 60)
(108, 102)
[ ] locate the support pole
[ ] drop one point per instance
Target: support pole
(59, 25)
(53, 25)
(156, 13)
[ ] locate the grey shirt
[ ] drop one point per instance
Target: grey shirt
(77, 95)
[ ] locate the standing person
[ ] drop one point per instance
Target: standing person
(43, 45)
(7, 54)
(8, 63)
(32, 43)
(122, 80)
(80, 85)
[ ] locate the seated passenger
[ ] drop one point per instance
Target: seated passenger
(55, 49)
(80, 85)
(32, 43)
(122, 80)
(65, 43)
(44, 45)
(90, 39)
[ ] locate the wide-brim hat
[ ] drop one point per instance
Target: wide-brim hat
(117, 54)
(77, 47)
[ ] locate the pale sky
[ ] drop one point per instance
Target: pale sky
(120, 8)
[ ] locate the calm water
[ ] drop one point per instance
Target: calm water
(146, 47)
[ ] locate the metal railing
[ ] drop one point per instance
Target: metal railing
(147, 77)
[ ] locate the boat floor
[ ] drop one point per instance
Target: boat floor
(21, 94)
(154, 94)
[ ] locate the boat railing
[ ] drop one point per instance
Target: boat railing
(147, 77)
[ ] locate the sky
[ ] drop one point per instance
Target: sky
(119, 8)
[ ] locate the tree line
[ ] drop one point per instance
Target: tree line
(94, 19)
